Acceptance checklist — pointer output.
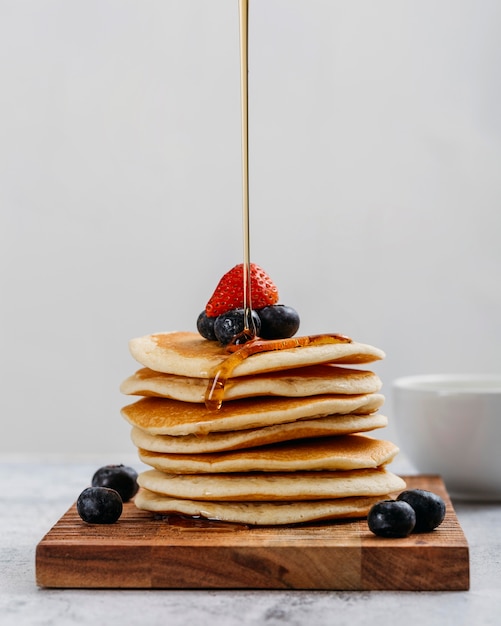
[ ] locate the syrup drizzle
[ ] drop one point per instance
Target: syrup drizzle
(247, 343)
(249, 331)
(214, 394)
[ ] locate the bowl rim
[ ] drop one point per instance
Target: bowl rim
(450, 383)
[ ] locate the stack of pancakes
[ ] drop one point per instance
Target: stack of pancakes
(287, 445)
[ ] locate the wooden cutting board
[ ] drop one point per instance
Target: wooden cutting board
(140, 551)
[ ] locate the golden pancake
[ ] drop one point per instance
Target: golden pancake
(163, 416)
(344, 452)
(236, 440)
(277, 486)
(298, 382)
(259, 513)
(189, 354)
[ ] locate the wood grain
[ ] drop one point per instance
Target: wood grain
(140, 551)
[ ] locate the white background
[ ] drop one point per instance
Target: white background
(375, 164)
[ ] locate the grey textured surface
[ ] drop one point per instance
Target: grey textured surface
(36, 492)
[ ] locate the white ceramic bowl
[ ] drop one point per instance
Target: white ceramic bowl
(450, 424)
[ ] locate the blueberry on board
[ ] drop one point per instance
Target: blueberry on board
(391, 518)
(228, 325)
(99, 505)
(428, 506)
(205, 326)
(118, 477)
(278, 321)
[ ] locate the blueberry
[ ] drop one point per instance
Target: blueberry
(278, 321)
(429, 508)
(228, 325)
(391, 518)
(205, 326)
(99, 505)
(118, 477)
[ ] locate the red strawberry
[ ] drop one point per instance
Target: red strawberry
(229, 293)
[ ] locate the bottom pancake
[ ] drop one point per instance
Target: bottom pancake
(258, 513)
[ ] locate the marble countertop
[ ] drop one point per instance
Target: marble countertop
(36, 492)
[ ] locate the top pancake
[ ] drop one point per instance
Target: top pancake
(189, 354)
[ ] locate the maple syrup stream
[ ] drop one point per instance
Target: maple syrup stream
(247, 343)
(249, 327)
(215, 390)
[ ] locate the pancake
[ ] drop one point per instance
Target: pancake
(236, 440)
(189, 354)
(326, 453)
(297, 382)
(278, 486)
(259, 513)
(163, 416)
